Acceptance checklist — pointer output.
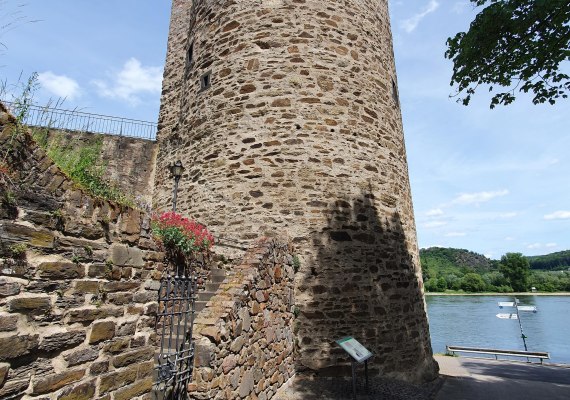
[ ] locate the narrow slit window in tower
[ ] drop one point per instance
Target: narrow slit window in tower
(205, 81)
(395, 93)
(191, 54)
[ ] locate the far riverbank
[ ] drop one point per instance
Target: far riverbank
(499, 294)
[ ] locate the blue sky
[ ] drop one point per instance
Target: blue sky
(491, 181)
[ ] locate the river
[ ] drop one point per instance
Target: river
(472, 321)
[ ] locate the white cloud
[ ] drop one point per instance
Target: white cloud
(550, 245)
(410, 24)
(508, 215)
(131, 81)
(59, 85)
(489, 255)
(455, 234)
(534, 246)
(436, 212)
(558, 215)
(434, 224)
(480, 197)
(509, 238)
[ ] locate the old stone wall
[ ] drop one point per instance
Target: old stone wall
(128, 162)
(174, 71)
(77, 284)
(244, 337)
(286, 116)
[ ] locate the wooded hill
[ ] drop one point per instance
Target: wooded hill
(447, 260)
(554, 261)
(463, 270)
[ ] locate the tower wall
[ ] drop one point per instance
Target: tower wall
(299, 132)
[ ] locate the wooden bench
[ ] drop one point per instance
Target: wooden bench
(498, 352)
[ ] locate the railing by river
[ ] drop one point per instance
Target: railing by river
(73, 120)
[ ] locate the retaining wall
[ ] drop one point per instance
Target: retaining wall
(78, 280)
(244, 338)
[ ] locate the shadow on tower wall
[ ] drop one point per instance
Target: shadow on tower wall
(363, 280)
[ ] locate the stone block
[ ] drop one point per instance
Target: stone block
(17, 346)
(30, 305)
(84, 391)
(123, 286)
(117, 379)
(117, 345)
(204, 353)
(8, 323)
(81, 356)
(60, 270)
(124, 255)
(91, 314)
(211, 332)
(131, 222)
(51, 383)
(62, 340)
(4, 368)
(237, 344)
(131, 357)
(34, 237)
(145, 370)
(229, 363)
(76, 227)
(13, 388)
(100, 271)
(101, 331)
(98, 368)
(127, 328)
(87, 287)
(135, 390)
(246, 386)
(8, 288)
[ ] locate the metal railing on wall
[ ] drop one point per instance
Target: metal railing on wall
(72, 120)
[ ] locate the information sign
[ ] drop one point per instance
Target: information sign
(507, 316)
(527, 308)
(506, 304)
(355, 349)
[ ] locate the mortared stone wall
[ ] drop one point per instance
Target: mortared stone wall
(285, 114)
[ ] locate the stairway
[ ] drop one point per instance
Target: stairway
(217, 276)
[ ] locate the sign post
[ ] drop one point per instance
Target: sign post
(359, 354)
(516, 315)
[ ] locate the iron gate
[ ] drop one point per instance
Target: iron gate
(174, 323)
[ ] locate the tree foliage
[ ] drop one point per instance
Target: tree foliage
(553, 261)
(473, 282)
(516, 268)
(518, 45)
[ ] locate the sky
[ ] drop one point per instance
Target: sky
(490, 181)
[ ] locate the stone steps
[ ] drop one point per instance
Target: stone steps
(217, 276)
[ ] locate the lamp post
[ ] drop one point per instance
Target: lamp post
(176, 170)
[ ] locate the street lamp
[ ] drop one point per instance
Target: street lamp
(176, 170)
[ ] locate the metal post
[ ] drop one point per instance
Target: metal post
(366, 374)
(175, 193)
(520, 324)
(353, 380)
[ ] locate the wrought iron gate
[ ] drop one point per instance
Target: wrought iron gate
(174, 323)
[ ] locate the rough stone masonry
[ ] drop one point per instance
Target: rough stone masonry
(286, 116)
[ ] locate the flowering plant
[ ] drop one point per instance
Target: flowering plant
(181, 236)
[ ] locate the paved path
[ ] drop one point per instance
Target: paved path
(481, 379)
(462, 379)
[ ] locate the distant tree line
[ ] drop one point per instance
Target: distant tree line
(446, 269)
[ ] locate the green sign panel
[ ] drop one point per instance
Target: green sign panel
(355, 349)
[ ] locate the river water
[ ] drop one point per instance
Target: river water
(472, 321)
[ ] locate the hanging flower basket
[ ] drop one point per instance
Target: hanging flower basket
(183, 239)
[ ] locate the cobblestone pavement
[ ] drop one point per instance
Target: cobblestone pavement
(308, 388)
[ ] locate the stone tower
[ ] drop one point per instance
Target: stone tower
(286, 116)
